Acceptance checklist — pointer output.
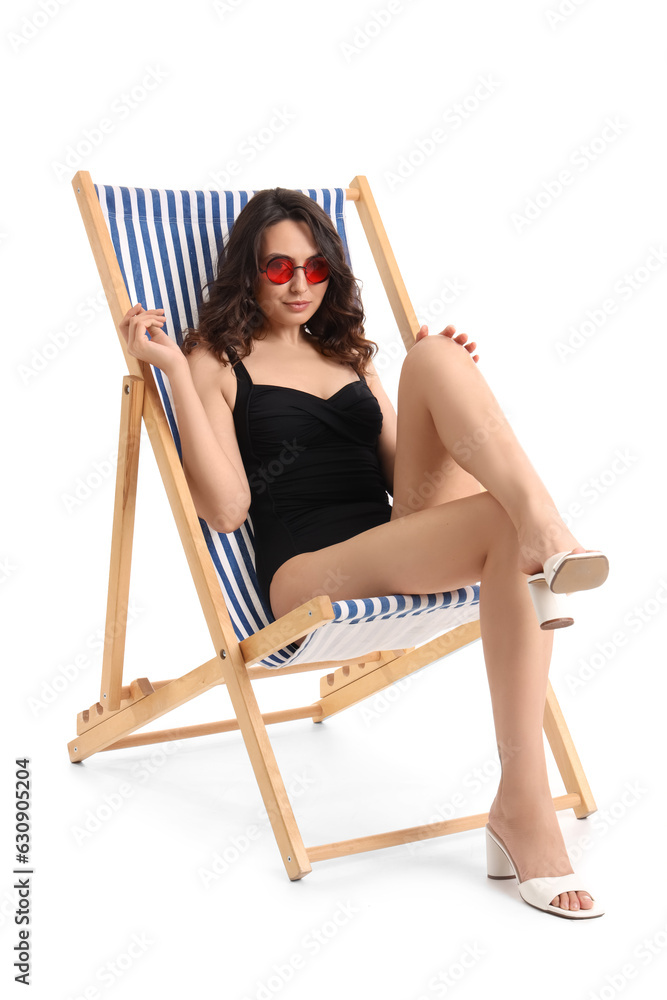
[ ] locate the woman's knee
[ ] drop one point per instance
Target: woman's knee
(422, 353)
(496, 521)
(434, 365)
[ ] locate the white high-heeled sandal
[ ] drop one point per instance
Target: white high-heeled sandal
(565, 573)
(537, 892)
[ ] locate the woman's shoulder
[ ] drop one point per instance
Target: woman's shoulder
(202, 354)
(210, 374)
(207, 368)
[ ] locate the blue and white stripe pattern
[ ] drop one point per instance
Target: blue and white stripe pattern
(167, 246)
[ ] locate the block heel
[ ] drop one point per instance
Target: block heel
(497, 864)
(565, 573)
(546, 604)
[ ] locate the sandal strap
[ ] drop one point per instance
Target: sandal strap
(540, 891)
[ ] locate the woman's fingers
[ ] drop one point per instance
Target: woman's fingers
(461, 339)
(143, 327)
(143, 323)
(131, 313)
(138, 309)
(147, 341)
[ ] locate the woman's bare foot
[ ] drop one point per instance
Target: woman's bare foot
(541, 534)
(529, 828)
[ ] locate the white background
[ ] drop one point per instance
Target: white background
(361, 97)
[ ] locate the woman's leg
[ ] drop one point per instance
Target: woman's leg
(452, 436)
(453, 433)
(445, 544)
(440, 549)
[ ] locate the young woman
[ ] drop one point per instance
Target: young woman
(304, 437)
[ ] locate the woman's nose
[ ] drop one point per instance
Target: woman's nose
(298, 280)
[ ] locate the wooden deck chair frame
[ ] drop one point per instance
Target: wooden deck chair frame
(124, 709)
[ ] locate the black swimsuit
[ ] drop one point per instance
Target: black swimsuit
(312, 468)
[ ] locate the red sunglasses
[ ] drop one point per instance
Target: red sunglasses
(281, 269)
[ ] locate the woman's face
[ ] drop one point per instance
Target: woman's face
(292, 239)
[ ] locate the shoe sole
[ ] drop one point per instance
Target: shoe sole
(580, 572)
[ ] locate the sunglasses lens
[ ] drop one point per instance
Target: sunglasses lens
(279, 270)
(317, 270)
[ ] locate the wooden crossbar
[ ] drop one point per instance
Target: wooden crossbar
(411, 834)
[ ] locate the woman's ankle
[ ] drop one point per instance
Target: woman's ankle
(521, 805)
(523, 789)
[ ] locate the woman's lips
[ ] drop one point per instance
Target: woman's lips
(297, 306)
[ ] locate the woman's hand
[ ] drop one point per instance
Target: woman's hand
(449, 331)
(158, 349)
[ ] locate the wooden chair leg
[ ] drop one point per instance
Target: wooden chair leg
(566, 756)
(127, 470)
(171, 695)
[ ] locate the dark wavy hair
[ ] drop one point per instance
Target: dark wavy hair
(230, 314)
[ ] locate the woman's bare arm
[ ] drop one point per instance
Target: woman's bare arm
(211, 459)
(387, 441)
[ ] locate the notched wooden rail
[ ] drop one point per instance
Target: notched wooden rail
(91, 717)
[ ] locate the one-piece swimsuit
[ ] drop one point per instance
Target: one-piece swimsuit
(312, 467)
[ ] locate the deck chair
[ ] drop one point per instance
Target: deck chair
(159, 247)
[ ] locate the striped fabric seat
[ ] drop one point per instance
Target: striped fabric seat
(167, 246)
